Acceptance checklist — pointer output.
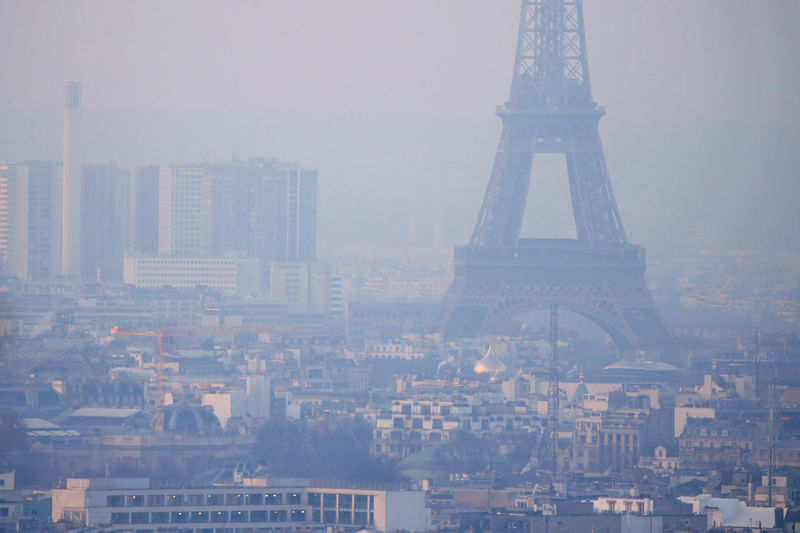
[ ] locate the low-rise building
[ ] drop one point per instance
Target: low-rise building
(257, 504)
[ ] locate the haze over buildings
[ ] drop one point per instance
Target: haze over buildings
(229, 300)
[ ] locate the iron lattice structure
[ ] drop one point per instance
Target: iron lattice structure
(599, 274)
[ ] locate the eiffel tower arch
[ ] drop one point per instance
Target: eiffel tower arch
(599, 274)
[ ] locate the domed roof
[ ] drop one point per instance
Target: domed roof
(490, 364)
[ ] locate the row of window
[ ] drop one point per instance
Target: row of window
(193, 517)
(174, 500)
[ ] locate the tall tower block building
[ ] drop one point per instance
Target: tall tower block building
(71, 196)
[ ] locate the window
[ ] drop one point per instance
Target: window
(199, 516)
(115, 501)
(275, 498)
(135, 500)
(159, 518)
(238, 516)
(254, 498)
(155, 500)
(219, 516)
(234, 499)
(314, 499)
(180, 517)
(277, 516)
(140, 518)
(195, 499)
(360, 502)
(174, 500)
(293, 497)
(298, 515)
(215, 499)
(120, 518)
(259, 516)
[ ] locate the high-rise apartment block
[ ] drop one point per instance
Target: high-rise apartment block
(104, 216)
(184, 211)
(143, 210)
(265, 208)
(71, 195)
(30, 220)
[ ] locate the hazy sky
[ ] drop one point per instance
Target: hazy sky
(393, 103)
(663, 59)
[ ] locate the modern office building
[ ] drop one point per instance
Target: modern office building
(230, 274)
(30, 220)
(252, 504)
(184, 211)
(72, 184)
(104, 216)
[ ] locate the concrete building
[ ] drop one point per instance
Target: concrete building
(265, 208)
(14, 220)
(228, 275)
(184, 211)
(303, 287)
(252, 503)
(72, 184)
(104, 219)
(143, 211)
(30, 220)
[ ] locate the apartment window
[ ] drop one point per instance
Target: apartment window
(115, 501)
(297, 515)
(329, 516)
(259, 516)
(140, 518)
(238, 516)
(159, 518)
(278, 516)
(293, 497)
(314, 499)
(219, 516)
(135, 500)
(214, 499)
(180, 517)
(120, 518)
(199, 516)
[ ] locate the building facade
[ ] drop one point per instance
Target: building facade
(228, 275)
(257, 505)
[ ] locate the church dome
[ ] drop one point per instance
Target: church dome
(490, 364)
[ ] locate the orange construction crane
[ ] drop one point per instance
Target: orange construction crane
(162, 333)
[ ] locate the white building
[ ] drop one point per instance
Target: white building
(303, 287)
(730, 512)
(255, 504)
(184, 211)
(230, 274)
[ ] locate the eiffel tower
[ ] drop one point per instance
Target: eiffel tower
(599, 274)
